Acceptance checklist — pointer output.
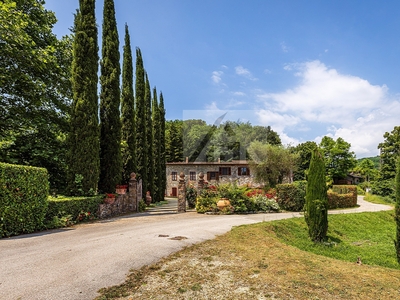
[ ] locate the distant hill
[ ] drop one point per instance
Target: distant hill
(375, 159)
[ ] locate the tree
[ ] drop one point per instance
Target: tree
(316, 207)
(389, 150)
(397, 211)
(35, 88)
(366, 168)
(339, 160)
(271, 163)
(156, 147)
(140, 117)
(304, 151)
(163, 178)
(110, 122)
(174, 138)
(128, 133)
(149, 138)
(83, 139)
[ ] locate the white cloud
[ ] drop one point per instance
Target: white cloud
(350, 106)
(241, 94)
(267, 71)
(244, 72)
(284, 47)
(216, 76)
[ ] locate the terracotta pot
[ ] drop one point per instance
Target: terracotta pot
(109, 200)
(222, 203)
(120, 191)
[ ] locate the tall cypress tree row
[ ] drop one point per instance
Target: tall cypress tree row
(128, 133)
(110, 122)
(156, 147)
(149, 138)
(141, 142)
(83, 139)
(397, 211)
(316, 206)
(163, 179)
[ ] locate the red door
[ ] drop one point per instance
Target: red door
(174, 192)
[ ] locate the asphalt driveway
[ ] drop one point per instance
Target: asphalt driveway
(74, 263)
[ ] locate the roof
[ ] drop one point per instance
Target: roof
(211, 163)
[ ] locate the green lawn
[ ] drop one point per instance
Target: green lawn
(369, 236)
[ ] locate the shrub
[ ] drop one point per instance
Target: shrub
(384, 188)
(206, 204)
(23, 199)
(191, 195)
(264, 203)
(291, 197)
(342, 196)
(64, 210)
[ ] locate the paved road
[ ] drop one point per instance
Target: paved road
(74, 263)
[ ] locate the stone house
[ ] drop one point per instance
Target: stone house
(214, 172)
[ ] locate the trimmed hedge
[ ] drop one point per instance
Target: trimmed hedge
(291, 196)
(342, 196)
(72, 206)
(23, 199)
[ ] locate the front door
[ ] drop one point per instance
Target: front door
(174, 192)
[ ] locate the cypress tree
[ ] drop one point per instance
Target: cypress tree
(163, 179)
(316, 206)
(397, 211)
(141, 143)
(156, 147)
(128, 133)
(83, 139)
(110, 122)
(149, 138)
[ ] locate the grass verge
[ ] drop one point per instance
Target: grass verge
(276, 260)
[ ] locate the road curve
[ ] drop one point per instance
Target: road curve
(74, 263)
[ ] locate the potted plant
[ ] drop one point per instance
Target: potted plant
(109, 199)
(121, 189)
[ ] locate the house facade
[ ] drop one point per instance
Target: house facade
(214, 172)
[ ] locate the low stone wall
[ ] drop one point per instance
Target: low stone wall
(122, 204)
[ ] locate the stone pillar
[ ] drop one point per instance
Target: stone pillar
(181, 193)
(132, 193)
(200, 183)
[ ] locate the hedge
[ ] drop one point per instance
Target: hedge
(291, 197)
(23, 199)
(72, 206)
(342, 196)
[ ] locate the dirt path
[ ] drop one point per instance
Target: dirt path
(74, 263)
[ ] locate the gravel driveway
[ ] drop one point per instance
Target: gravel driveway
(74, 263)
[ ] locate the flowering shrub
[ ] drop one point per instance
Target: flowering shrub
(85, 216)
(264, 203)
(110, 195)
(122, 186)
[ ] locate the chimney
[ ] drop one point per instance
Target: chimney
(187, 159)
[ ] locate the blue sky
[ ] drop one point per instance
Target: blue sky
(306, 68)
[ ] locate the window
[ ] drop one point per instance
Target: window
(192, 176)
(224, 171)
(212, 175)
(174, 176)
(243, 171)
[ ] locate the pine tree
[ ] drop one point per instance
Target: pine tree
(316, 207)
(141, 143)
(110, 122)
(83, 139)
(156, 147)
(397, 211)
(149, 138)
(128, 133)
(163, 180)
